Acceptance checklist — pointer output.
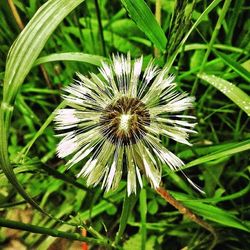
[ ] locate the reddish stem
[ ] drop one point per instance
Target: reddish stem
(188, 213)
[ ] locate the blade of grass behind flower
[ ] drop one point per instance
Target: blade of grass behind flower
(145, 20)
(233, 65)
(71, 56)
(216, 214)
(143, 213)
(31, 41)
(201, 17)
(225, 152)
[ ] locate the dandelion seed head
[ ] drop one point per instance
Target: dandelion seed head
(113, 124)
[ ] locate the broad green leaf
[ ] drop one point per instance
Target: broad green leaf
(234, 93)
(134, 242)
(145, 20)
(20, 59)
(71, 56)
(31, 41)
(234, 65)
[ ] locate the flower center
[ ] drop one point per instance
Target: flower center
(125, 120)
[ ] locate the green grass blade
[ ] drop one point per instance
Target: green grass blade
(145, 20)
(216, 214)
(197, 22)
(234, 149)
(143, 213)
(26, 149)
(84, 216)
(20, 59)
(234, 65)
(128, 204)
(234, 93)
(71, 56)
(31, 41)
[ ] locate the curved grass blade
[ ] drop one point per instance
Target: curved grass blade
(145, 20)
(20, 59)
(203, 15)
(31, 41)
(233, 149)
(234, 93)
(233, 65)
(216, 214)
(71, 56)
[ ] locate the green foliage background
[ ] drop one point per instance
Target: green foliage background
(204, 43)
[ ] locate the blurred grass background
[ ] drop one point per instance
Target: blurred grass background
(206, 44)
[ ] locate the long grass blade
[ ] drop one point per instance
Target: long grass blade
(234, 65)
(145, 20)
(20, 59)
(231, 150)
(234, 93)
(128, 204)
(216, 214)
(71, 56)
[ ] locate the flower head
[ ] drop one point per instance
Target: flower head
(114, 123)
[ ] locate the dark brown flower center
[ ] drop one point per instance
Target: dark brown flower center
(125, 121)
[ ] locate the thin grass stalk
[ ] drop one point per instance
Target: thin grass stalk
(98, 13)
(170, 62)
(52, 232)
(158, 19)
(212, 41)
(128, 204)
(15, 14)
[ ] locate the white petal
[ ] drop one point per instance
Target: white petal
(67, 145)
(135, 77)
(164, 154)
(111, 175)
(87, 168)
(131, 177)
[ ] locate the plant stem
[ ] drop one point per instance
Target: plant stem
(185, 211)
(15, 14)
(158, 19)
(212, 41)
(211, 6)
(128, 204)
(51, 232)
(98, 13)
